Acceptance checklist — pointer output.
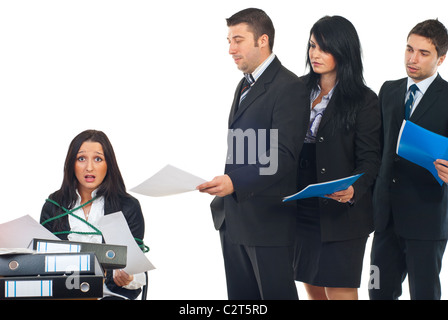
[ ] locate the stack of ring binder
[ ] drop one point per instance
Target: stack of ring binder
(50, 276)
(58, 269)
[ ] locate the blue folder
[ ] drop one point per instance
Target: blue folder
(422, 147)
(324, 188)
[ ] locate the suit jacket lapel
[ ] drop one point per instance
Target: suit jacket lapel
(236, 98)
(428, 100)
(398, 95)
(257, 89)
(328, 113)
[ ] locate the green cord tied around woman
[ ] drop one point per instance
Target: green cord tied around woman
(96, 231)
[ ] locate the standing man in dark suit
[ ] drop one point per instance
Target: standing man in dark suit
(410, 207)
(267, 126)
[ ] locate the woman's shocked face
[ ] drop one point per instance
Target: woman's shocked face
(90, 166)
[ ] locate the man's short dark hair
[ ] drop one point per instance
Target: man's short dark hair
(434, 30)
(258, 21)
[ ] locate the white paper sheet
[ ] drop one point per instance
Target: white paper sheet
(115, 230)
(168, 181)
(6, 251)
(20, 232)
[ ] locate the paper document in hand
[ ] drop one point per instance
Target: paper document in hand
(324, 188)
(115, 230)
(168, 181)
(422, 147)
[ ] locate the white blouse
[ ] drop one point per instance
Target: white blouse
(317, 113)
(96, 213)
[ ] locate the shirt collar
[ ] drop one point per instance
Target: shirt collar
(315, 93)
(424, 84)
(94, 192)
(251, 78)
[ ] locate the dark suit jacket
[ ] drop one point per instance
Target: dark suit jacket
(255, 214)
(404, 190)
(341, 153)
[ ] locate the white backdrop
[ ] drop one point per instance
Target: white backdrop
(156, 77)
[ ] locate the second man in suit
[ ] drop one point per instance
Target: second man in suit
(410, 206)
(267, 126)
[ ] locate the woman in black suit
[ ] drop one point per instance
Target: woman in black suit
(92, 187)
(343, 139)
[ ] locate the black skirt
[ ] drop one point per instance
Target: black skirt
(335, 264)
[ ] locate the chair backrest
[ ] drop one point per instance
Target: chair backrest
(145, 287)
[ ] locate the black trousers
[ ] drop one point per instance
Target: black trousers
(396, 258)
(258, 273)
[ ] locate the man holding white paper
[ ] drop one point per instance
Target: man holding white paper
(256, 228)
(410, 206)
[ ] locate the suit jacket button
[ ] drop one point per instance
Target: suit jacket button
(394, 180)
(321, 139)
(323, 170)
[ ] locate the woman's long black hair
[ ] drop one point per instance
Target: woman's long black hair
(337, 36)
(112, 188)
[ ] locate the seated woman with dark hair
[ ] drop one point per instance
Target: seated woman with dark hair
(92, 187)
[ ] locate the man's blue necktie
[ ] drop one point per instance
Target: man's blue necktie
(410, 101)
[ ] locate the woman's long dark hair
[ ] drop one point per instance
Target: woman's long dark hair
(112, 187)
(337, 36)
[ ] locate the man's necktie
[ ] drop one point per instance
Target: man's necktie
(248, 81)
(410, 101)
